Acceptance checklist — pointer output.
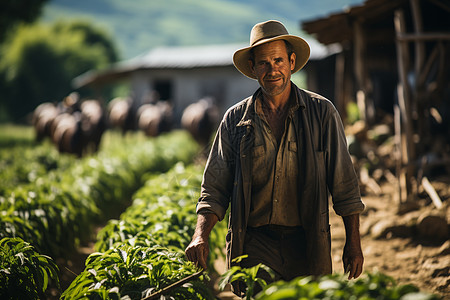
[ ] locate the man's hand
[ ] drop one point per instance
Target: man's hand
(352, 258)
(198, 249)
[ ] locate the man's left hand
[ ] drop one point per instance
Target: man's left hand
(353, 260)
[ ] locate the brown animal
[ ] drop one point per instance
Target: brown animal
(93, 124)
(154, 119)
(200, 120)
(67, 134)
(120, 114)
(73, 126)
(42, 120)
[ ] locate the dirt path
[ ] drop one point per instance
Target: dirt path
(407, 259)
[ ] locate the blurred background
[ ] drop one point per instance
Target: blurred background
(45, 44)
(81, 76)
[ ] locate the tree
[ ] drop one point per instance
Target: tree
(39, 62)
(14, 12)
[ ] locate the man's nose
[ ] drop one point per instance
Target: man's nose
(271, 67)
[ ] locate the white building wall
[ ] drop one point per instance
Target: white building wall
(188, 86)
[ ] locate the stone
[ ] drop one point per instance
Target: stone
(389, 228)
(433, 227)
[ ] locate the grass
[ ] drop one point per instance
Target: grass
(14, 135)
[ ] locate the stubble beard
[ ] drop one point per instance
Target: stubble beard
(274, 89)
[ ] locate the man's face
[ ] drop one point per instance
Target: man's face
(273, 67)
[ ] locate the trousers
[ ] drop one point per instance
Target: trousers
(281, 248)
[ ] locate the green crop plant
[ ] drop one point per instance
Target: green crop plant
(57, 210)
(24, 273)
(337, 287)
(248, 276)
(24, 164)
(136, 272)
(163, 213)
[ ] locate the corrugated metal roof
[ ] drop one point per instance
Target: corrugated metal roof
(203, 56)
(185, 57)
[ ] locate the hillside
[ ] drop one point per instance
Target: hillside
(140, 25)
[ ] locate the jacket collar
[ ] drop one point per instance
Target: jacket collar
(249, 112)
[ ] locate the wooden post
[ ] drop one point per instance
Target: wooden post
(418, 28)
(339, 82)
(359, 59)
(404, 101)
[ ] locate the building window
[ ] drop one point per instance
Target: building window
(164, 89)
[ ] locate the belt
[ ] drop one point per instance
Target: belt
(278, 232)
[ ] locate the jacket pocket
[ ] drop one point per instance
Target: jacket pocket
(258, 151)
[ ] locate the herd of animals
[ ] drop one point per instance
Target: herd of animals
(76, 126)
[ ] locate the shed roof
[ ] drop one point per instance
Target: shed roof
(182, 57)
(338, 27)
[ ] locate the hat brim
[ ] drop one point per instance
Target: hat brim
(301, 49)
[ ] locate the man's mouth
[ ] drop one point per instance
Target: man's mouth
(272, 79)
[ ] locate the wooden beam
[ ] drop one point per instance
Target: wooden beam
(405, 99)
(422, 76)
(429, 36)
(431, 192)
(339, 81)
(442, 4)
(418, 28)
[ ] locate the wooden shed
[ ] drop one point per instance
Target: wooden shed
(395, 60)
(181, 75)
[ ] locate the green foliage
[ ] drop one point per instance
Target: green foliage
(39, 62)
(21, 164)
(24, 273)
(96, 37)
(337, 287)
(163, 213)
(57, 210)
(14, 135)
(352, 113)
(17, 11)
(135, 272)
(249, 276)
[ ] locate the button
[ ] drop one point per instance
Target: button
(278, 177)
(276, 200)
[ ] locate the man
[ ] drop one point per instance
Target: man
(276, 158)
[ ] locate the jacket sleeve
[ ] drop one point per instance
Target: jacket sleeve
(341, 177)
(218, 176)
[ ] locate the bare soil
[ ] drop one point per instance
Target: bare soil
(410, 259)
(402, 254)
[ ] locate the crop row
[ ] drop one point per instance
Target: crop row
(55, 212)
(141, 255)
(143, 250)
(21, 165)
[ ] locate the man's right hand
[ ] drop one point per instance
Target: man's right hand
(198, 251)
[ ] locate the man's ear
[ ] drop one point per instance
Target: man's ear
(292, 60)
(251, 65)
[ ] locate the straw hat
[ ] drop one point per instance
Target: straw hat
(270, 31)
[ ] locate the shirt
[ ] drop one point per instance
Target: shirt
(274, 172)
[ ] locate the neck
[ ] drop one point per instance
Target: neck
(277, 102)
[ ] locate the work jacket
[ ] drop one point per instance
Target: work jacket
(324, 169)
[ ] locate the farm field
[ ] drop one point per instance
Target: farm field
(105, 218)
